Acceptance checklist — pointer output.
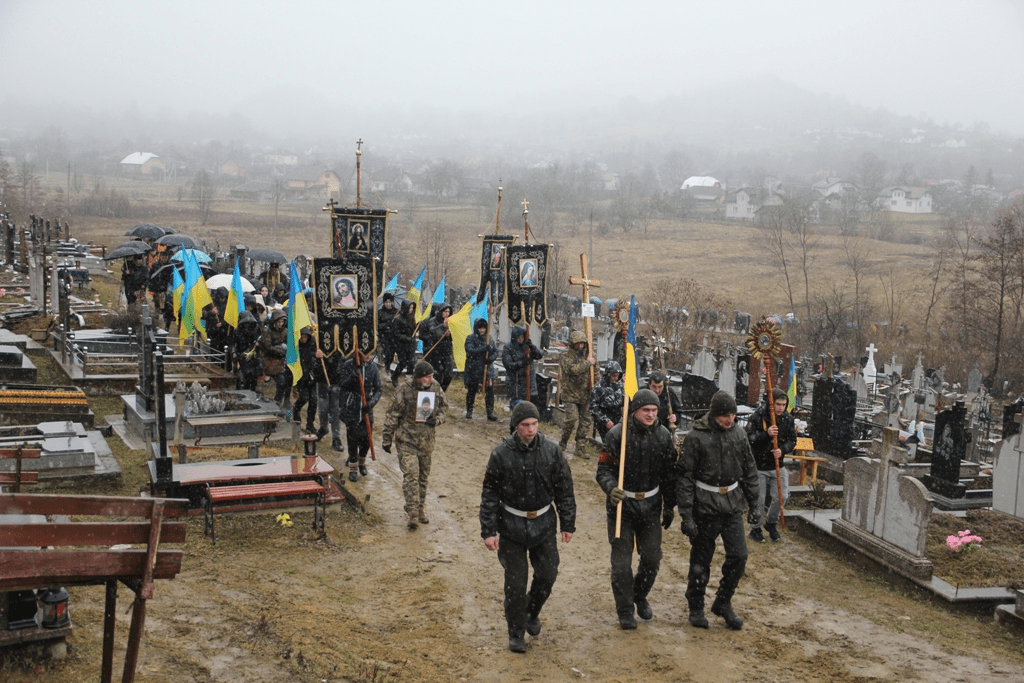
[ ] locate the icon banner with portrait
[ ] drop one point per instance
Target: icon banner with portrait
(493, 264)
(344, 298)
(361, 232)
(527, 282)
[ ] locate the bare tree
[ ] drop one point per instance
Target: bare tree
(937, 282)
(28, 182)
(857, 256)
(772, 236)
(202, 193)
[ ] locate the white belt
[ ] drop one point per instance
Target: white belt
(533, 514)
(641, 494)
(717, 489)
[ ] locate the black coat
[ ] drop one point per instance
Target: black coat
(650, 461)
(761, 442)
(351, 407)
(513, 357)
(479, 354)
(527, 478)
(715, 457)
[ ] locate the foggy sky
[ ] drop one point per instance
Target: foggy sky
(950, 61)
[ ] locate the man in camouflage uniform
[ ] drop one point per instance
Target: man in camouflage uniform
(607, 398)
(574, 386)
(414, 440)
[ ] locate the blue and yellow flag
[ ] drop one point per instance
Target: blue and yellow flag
(393, 283)
(631, 380)
(439, 293)
(415, 292)
(298, 317)
(194, 298)
(176, 293)
(791, 390)
(236, 299)
(461, 325)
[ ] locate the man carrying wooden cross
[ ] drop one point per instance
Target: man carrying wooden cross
(760, 431)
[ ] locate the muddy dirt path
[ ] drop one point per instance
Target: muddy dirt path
(375, 602)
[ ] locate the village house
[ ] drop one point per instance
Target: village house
(744, 204)
(312, 181)
(142, 164)
(703, 188)
(905, 199)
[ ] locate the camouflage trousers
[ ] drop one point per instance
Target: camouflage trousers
(415, 465)
(577, 415)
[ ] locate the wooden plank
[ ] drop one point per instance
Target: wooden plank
(88, 533)
(804, 443)
(49, 504)
(9, 453)
(247, 491)
(7, 478)
(221, 419)
(24, 569)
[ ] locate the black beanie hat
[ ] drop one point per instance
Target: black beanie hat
(524, 410)
(722, 404)
(644, 397)
(422, 369)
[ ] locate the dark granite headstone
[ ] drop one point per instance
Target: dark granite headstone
(948, 449)
(1010, 424)
(832, 416)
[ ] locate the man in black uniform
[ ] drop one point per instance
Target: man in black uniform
(648, 479)
(759, 433)
(716, 472)
(526, 475)
(669, 408)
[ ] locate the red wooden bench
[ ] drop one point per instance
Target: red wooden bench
(266, 495)
(18, 477)
(48, 555)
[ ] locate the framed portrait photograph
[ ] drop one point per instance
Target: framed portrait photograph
(528, 272)
(497, 256)
(424, 405)
(359, 236)
(343, 291)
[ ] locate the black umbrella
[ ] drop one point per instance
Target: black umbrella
(179, 240)
(128, 249)
(149, 231)
(266, 255)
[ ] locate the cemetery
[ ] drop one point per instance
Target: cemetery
(890, 465)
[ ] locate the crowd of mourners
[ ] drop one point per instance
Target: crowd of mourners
(715, 473)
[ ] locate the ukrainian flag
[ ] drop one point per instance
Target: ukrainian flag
(631, 380)
(195, 296)
(298, 317)
(461, 326)
(791, 391)
(236, 299)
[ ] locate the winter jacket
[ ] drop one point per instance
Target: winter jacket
(479, 354)
(650, 462)
(513, 357)
(761, 442)
(607, 398)
(351, 403)
(527, 478)
(716, 457)
(437, 341)
(574, 370)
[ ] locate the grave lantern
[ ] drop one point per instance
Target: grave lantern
(55, 608)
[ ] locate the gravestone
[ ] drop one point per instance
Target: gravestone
(885, 512)
(1011, 424)
(917, 378)
(727, 371)
(704, 364)
(892, 367)
(15, 366)
(742, 377)
(948, 447)
(832, 416)
(870, 371)
(974, 380)
(1008, 476)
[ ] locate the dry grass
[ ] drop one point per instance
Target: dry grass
(997, 561)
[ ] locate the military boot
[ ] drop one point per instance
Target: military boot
(723, 608)
(413, 521)
(533, 624)
(516, 643)
(773, 531)
(643, 609)
(422, 516)
(362, 467)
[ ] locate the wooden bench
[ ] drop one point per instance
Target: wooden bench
(67, 553)
(197, 422)
(266, 495)
(803, 445)
(18, 477)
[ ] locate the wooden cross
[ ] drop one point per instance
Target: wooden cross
(359, 146)
(587, 283)
(526, 205)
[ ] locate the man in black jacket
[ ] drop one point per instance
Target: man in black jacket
(353, 411)
(669, 407)
(648, 479)
(480, 354)
(402, 327)
(437, 343)
(526, 476)
(759, 433)
(716, 474)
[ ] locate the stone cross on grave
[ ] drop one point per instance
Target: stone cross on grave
(869, 369)
(586, 282)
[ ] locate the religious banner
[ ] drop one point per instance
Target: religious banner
(361, 233)
(493, 264)
(344, 299)
(527, 275)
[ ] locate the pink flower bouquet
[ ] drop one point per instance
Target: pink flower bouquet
(962, 541)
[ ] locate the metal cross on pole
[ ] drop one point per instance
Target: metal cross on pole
(587, 282)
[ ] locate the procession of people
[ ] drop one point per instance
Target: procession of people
(647, 473)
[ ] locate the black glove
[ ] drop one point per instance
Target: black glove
(753, 518)
(386, 447)
(688, 528)
(666, 518)
(617, 495)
